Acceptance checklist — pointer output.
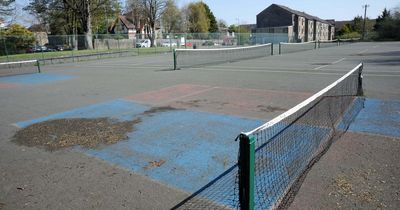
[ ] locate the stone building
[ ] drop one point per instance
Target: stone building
(293, 25)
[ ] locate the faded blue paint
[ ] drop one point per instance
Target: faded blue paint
(34, 79)
(196, 147)
(378, 117)
(118, 109)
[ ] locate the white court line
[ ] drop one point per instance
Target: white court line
(334, 62)
(15, 124)
(363, 51)
(338, 61)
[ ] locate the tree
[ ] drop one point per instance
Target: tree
(150, 11)
(222, 25)
(171, 17)
(72, 16)
(358, 24)
(16, 39)
(346, 29)
(388, 25)
(213, 27)
(41, 10)
(232, 28)
(6, 7)
(197, 18)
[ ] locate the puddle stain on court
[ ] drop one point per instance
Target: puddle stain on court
(63, 133)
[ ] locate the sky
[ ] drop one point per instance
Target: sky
(245, 11)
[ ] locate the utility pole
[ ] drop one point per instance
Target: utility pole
(365, 19)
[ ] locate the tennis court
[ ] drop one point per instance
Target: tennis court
(183, 141)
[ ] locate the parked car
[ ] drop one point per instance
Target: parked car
(144, 43)
(169, 44)
(208, 43)
(37, 48)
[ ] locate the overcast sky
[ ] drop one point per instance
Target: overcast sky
(245, 11)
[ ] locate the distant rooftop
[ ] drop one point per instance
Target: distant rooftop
(303, 14)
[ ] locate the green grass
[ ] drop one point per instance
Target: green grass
(58, 54)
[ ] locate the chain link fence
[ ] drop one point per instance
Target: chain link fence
(71, 48)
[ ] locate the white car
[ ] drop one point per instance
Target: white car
(144, 43)
(169, 44)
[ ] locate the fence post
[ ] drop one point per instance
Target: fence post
(5, 49)
(246, 172)
(174, 54)
(170, 42)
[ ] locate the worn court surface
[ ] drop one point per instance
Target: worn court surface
(195, 142)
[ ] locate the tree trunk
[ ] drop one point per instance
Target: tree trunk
(88, 26)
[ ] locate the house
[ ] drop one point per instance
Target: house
(132, 25)
(292, 26)
(40, 33)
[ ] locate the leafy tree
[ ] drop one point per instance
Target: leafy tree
(72, 16)
(388, 26)
(40, 9)
(213, 27)
(16, 39)
(197, 18)
(346, 29)
(6, 7)
(171, 17)
(358, 24)
(232, 28)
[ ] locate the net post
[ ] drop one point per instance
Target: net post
(272, 48)
(280, 48)
(360, 91)
(38, 65)
(246, 172)
(174, 54)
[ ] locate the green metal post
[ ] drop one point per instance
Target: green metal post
(280, 48)
(174, 59)
(272, 49)
(38, 64)
(246, 172)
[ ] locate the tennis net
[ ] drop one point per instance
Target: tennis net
(19, 67)
(296, 47)
(184, 58)
(328, 43)
(275, 156)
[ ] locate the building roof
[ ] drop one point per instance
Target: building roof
(126, 22)
(303, 14)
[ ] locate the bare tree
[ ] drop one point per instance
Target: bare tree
(152, 11)
(6, 7)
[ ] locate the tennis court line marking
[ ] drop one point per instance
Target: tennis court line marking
(334, 62)
(363, 51)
